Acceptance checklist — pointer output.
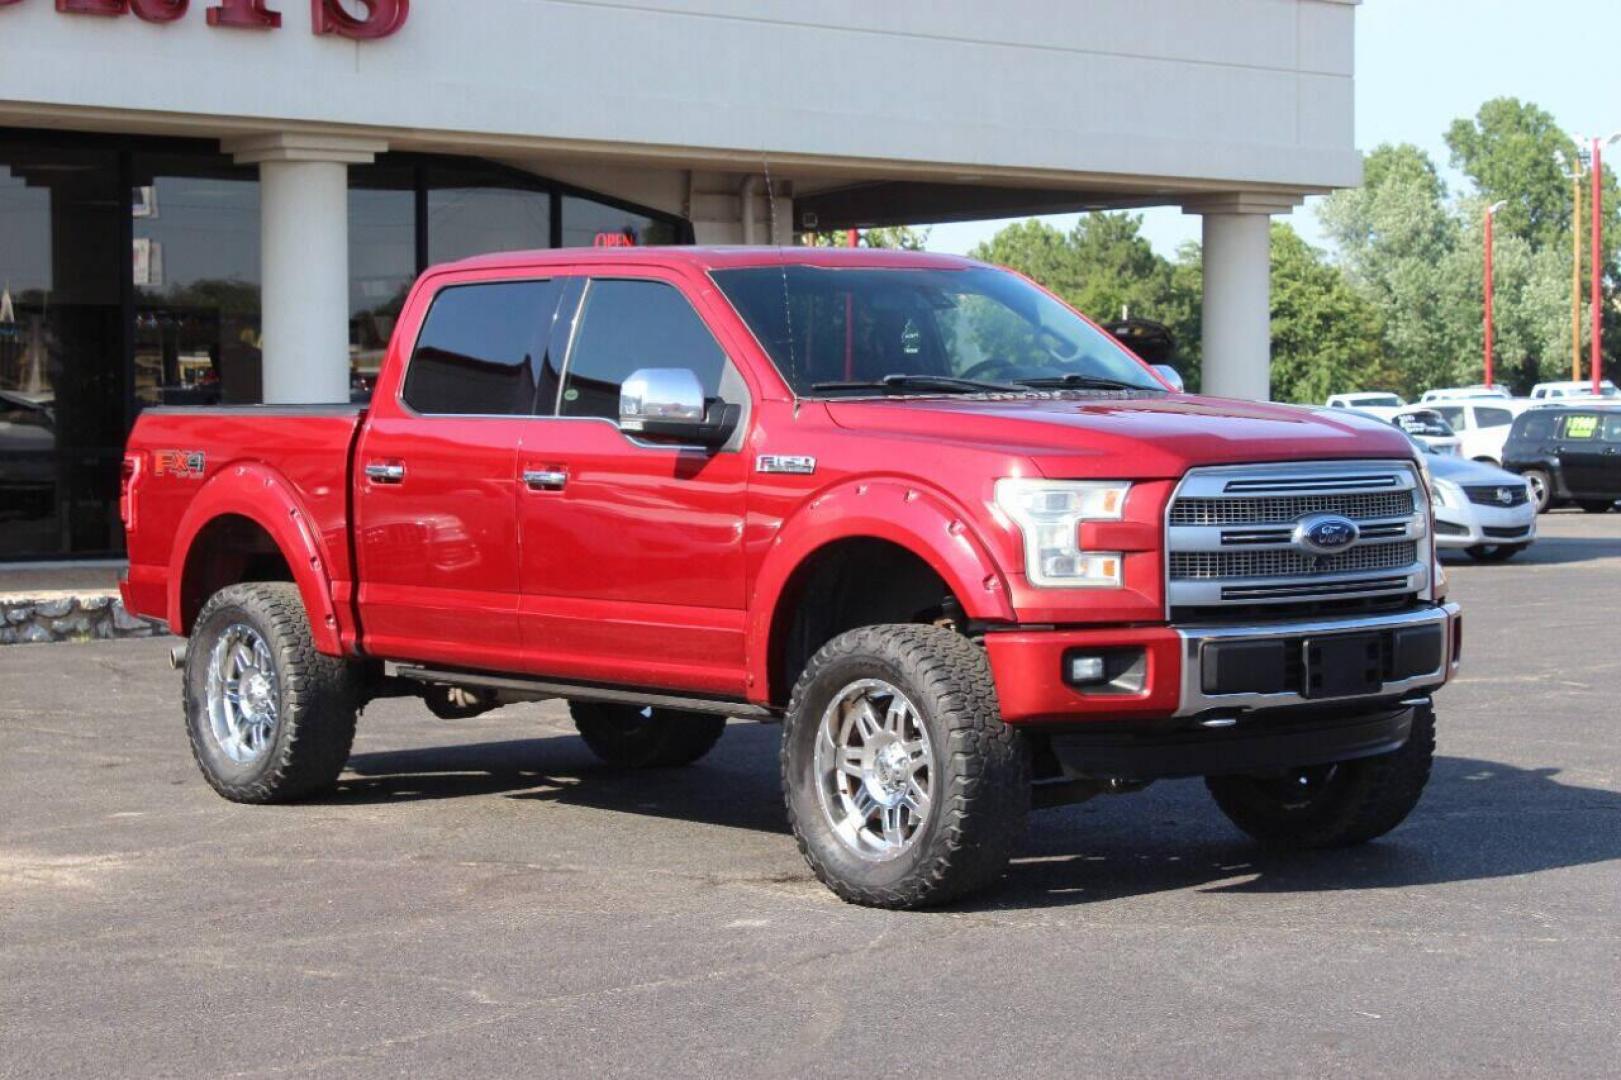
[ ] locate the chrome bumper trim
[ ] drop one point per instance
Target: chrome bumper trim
(1194, 639)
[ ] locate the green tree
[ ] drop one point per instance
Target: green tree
(904, 237)
(1326, 337)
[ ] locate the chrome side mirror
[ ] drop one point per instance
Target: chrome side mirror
(668, 404)
(1170, 375)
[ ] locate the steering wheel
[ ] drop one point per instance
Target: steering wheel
(994, 368)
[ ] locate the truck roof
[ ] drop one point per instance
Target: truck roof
(719, 257)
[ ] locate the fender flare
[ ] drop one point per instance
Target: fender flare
(926, 522)
(257, 492)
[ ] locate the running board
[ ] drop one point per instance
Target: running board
(542, 688)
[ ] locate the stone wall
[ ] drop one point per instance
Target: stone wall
(46, 617)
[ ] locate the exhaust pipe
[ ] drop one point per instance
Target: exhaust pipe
(177, 657)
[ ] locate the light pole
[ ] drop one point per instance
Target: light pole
(1573, 165)
(1491, 212)
(1596, 299)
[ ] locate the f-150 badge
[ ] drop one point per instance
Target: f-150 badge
(796, 464)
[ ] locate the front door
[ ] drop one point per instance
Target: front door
(632, 551)
(1581, 454)
(437, 478)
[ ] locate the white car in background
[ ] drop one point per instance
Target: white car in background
(1464, 393)
(1428, 428)
(1482, 424)
(1480, 509)
(1374, 403)
(1553, 391)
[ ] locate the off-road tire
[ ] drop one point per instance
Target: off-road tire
(319, 699)
(1541, 489)
(981, 766)
(632, 737)
(1359, 801)
(1494, 552)
(1595, 506)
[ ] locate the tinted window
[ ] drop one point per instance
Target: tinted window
(479, 349)
(1612, 428)
(1452, 414)
(629, 325)
(1493, 417)
(1534, 427)
(1580, 426)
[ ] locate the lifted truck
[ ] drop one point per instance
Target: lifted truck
(974, 554)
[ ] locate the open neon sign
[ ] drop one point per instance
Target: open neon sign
(382, 17)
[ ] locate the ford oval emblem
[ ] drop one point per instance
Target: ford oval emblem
(1325, 534)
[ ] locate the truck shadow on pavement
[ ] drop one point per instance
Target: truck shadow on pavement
(1478, 820)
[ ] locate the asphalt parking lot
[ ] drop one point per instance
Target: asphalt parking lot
(480, 898)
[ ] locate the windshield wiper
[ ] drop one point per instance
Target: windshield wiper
(1089, 382)
(941, 383)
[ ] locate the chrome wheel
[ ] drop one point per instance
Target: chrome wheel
(244, 697)
(874, 769)
(1541, 494)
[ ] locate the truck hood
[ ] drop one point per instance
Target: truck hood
(1159, 437)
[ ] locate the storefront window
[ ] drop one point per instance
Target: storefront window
(62, 388)
(196, 274)
(588, 223)
(474, 212)
(383, 260)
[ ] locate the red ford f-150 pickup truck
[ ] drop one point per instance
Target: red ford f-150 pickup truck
(973, 554)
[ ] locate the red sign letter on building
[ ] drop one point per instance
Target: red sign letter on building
(251, 14)
(93, 7)
(383, 17)
(159, 10)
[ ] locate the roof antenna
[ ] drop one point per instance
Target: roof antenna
(782, 263)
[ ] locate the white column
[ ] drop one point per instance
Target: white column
(1237, 292)
(304, 260)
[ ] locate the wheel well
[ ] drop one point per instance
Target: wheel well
(229, 550)
(850, 583)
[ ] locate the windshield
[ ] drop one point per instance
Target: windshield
(851, 331)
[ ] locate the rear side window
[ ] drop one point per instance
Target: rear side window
(1493, 417)
(1612, 428)
(627, 325)
(480, 349)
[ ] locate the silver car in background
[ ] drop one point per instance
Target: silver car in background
(1486, 511)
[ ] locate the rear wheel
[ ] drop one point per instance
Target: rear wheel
(1541, 488)
(1494, 552)
(1330, 806)
(904, 787)
(1595, 506)
(634, 737)
(269, 718)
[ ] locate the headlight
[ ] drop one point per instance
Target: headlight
(1448, 493)
(1049, 514)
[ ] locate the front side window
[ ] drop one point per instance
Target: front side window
(1612, 428)
(1452, 414)
(480, 349)
(842, 330)
(1490, 418)
(628, 325)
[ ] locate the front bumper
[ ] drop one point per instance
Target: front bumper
(1229, 670)
(1474, 524)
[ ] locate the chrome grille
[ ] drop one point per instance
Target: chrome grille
(1486, 495)
(1287, 509)
(1287, 562)
(1230, 536)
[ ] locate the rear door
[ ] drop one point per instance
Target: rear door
(1581, 453)
(437, 481)
(632, 557)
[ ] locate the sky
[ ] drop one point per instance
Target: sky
(1420, 64)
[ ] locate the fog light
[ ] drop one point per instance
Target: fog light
(1085, 670)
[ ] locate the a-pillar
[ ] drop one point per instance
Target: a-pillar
(1237, 291)
(304, 259)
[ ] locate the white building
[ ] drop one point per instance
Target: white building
(196, 206)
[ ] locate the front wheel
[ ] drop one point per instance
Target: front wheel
(1330, 806)
(904, 787)
(269, 718)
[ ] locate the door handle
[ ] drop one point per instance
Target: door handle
(545, 479)
(379, 472)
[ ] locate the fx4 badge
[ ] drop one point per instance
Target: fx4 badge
(796, 464)
(186, 464)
